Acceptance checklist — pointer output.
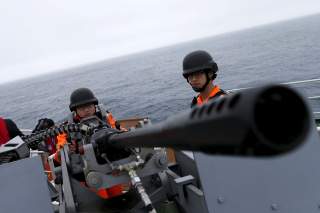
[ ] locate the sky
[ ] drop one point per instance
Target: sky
(41, 36)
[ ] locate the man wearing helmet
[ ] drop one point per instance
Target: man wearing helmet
(84, 104)
(199, 69)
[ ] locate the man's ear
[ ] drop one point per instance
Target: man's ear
(210, 75)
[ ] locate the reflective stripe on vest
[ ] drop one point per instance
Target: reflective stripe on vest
(4, 133)
(213, 92)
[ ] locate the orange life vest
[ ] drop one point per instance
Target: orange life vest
(214, 91)
(110, 120)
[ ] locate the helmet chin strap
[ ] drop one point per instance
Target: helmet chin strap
(197, 89)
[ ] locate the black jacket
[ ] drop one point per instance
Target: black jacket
(12, 129)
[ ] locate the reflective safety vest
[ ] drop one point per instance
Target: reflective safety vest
(4, 133)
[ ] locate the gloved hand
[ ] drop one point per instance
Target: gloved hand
(43, 123)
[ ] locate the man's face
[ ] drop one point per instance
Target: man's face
(86, 110)
(197, 79)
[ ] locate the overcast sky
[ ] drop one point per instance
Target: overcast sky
(39, 36)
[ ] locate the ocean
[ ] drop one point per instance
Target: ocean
(151, 84)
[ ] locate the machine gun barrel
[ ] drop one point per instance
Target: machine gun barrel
(263, 121)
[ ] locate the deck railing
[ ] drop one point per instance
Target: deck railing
(317, 97)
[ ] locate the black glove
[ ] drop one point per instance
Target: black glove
(43, 123)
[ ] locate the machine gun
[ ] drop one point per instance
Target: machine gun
(248, 124)
(19, 147)
(243, 124)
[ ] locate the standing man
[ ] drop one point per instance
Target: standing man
(8, 130)
(199, 69)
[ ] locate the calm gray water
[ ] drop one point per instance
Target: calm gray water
(150, 83)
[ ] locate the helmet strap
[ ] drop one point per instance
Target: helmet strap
(76, 117)
(196, 89)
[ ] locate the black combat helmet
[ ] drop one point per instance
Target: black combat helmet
(196, 61)
(82, 96)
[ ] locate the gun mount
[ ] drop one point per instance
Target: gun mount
(247, 124)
